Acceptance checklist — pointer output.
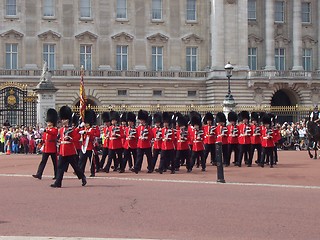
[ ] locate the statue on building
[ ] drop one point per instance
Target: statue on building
(46, 74)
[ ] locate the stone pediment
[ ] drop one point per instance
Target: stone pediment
(158, 37)
(280, 39)
(192, 37)
(88, 35)
(308, 40)
(12, 33)
(49, 34)
(122, 36)
(254, 38)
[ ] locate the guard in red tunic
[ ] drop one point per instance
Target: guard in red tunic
(167, 147)
(197, 142)
(49, 139)
(157, 138)
(255, 138)
(67, 150)
(182, 145)
(105, 138)
(115, 142)
(209, 138)
(144, 134)
(130, 144)
(88, 138)
(77, 137)
(232, 138)
(244, 138)
(267, 141)
(222, 135)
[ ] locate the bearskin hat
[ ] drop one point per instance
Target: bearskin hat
(166, 117)
(52, 116)
(220, 117)
(157, 117)
(208, 117)
(65, 113)
(105, 117)
(196, 120)
(232, 116)
(244, 115)
(182, 121)
(114, 115)
(254, 116)
(266, 119)
(75, 119)
(143, 115)
(149, 120)
(131, 117)
(273, 118)
(90, 117)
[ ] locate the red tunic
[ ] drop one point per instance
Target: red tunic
(266, 137)
(276, 135)
(255, 134)
(157, 141)
(115, 137)
(222, 134)
(67, 147)
(168, 138)
(182, 139)
(106, 137)
(209, 134)
(50, 140)
(244, 133)
(232, 134)
(145, 136)
(88, 138)
(131, 139)
(197, 140)
(77, 138)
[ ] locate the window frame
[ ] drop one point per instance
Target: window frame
(308, 14)
(53, 8)
(121, 9)
(191, 56)
(155, 58)
(306, 58)
(122, 55)
(153, 9)
(7, 4)
(281, 11)
(253, 58)
(83, 8)
(51, 63)
(254, 11)
(86, 59)
(278, 57)
(193, 10)
(11, 53)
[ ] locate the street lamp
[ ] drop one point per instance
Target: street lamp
(228, 68)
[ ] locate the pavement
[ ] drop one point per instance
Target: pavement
(254, 203)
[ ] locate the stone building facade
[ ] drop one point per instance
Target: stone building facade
(165, 52)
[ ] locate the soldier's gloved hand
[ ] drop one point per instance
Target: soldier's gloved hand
(82, 132)
(82, 124)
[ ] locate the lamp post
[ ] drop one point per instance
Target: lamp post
(228, 103)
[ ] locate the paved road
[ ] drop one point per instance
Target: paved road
(255, 203)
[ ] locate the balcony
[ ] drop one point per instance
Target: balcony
(283, 74)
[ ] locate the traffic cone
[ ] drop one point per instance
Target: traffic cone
(8, 151)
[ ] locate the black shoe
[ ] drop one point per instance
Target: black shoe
(203, 169)
(136, 171)
(92, 175)
(160, 171)
(173, 172)
(149, 171)
(249, 165)
(261, 165)
(189, 170)
(55, 185)
(271, 166)
(36, 176)
(121, 171)
(84, 181)
(54, 178)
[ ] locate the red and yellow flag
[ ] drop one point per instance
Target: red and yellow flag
(83, 99)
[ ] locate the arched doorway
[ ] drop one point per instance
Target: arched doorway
(285, 98)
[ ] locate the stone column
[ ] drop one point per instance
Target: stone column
(243, 35)
(217, 35)
(270, 64)
(318, 66)
(297, 36)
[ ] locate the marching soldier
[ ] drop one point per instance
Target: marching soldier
(157, 138)
(182, 138)
(131, 141)
(49, 139)
(222, 135)
(209, 138)
(167, 146)
(115, 142)
(232, 138)
(144, 134)
(244, 138)
(77, 135)
(88, 138)
(267, 141)
(67, 150)
(255, 138)
(105, 138)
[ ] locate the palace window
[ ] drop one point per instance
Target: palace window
(191, 10)
(49, 55)
(85, 8)
(192, 59)
(11, 56)
(122, 9)
(252, 58)
(86, 56)
(306, 12)
(307, 59)
(11, 7)
(122, 92)
(122, 58)
(156, 10)
(157, 93)
(252, 9)
(279, 11)
(157, 58)
(48, 8)
(280, 58)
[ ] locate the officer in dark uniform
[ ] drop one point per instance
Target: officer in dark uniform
(315, 115)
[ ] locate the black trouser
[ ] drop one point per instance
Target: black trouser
(267, 152)
(83, 161)
(251, 153)
(62, 166)
(195, 156)
(243, 153)
(96, 159)
(210, 148)
(104, 156)
(127, 158)
(166, 159)
(183, 156)
(232, 148)
(275, 152)
(2, 147)
(140, 153)
(155, 155)
(225, 153)
(43, 163)
(116, 156)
